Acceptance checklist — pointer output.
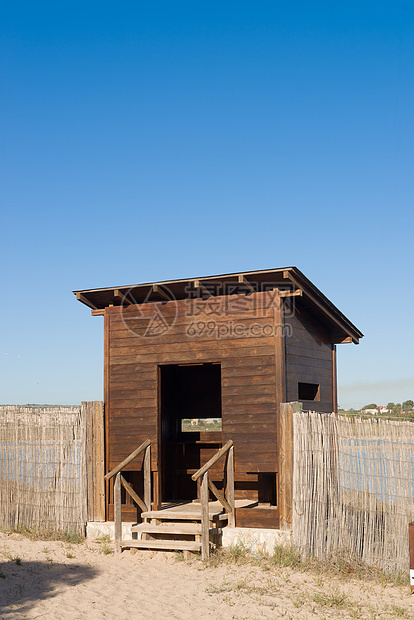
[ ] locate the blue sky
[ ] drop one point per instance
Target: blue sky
(148, 141)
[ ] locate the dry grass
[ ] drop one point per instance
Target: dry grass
(103, 541)
(72, 537)
(287, 556)
(335, 588)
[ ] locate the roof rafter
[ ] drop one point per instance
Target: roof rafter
(198, 284)
(287, 274)
(243, 280)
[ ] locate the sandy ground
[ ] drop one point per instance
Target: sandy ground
(57, 580)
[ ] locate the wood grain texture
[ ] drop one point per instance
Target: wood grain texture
(205, 520)
(261, 366)
(286, 449)
(266, 518)
(99, 461)
(309, 359)
(117, 513)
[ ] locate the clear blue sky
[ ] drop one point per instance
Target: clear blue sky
(148, 141)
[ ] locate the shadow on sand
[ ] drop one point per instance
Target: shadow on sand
(22, 585)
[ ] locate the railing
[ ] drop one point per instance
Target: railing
(120, 481)
(206, 484)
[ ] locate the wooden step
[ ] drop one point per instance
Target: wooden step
(189, 515)
(168, 528)
(190, 529)
(166, 545)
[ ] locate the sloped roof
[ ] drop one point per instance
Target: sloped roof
(286, 278)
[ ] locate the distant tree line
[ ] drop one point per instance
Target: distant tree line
(391, 409)
(394, 408)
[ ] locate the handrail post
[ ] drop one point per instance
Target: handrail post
(117, 513)
(128, 459)
(205, 519)
(230, 487)
(147, 478)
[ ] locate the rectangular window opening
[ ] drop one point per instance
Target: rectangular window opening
(309, 391)
(200, 425)
(267, 493)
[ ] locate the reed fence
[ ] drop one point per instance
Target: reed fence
(43, 483)
(353, 488)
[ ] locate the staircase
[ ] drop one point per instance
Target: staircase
(177, 528)
(189, 526)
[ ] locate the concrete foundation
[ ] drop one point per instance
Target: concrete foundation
(255, 539)
(95, 529)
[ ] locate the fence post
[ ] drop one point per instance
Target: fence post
(230, 487)
(117, 513)
(99, 463)
(411, 543)
(285, 477)
(86, 414)
(205, 519)
(95, 459)
(147, 478)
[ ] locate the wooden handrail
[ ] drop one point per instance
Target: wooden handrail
(128, 459)
(128, 488)
(120, 481)
(213, 460)
(219, 496)
(206, 484)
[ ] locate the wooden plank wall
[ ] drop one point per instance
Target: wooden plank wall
(249, 400)
(95, 459)
(309, 359)
(286, 455)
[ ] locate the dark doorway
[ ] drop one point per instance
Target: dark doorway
(190, 408)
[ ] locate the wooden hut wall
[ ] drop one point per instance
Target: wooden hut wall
(309, 360)
(250, 372)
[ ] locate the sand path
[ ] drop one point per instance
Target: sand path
(55, 580)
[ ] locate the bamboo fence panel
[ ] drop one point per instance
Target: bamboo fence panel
(353, 488)
(43, 468)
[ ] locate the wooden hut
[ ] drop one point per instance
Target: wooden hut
(195, 363)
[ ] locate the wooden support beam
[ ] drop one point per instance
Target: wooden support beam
(118, 513)
(98, 312)
(87, 413)
(230, 487)
(203, 289)
(85, 301)
(285, 477)
(99, 459)
(243, 280)
(147, 478)
(334, 380)
(219, 496)
(159, 291)
(128, 488)
(297, 293)
(288, 275)
(205, 519)
(119, 295)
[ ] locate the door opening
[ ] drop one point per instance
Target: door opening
(190, 408)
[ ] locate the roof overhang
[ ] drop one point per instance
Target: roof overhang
(289, 280)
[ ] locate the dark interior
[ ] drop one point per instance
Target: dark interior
(308, 391)
(187, 391)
